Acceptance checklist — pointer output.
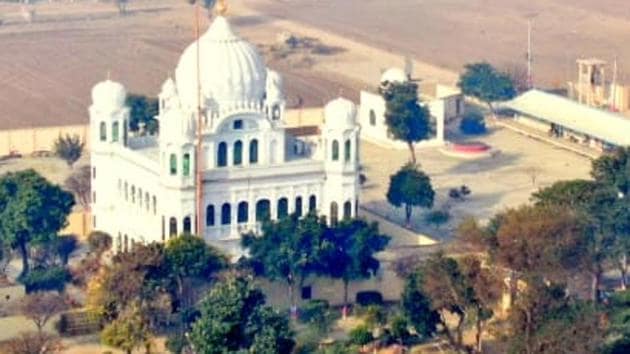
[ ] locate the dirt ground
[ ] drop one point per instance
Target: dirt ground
(450, 33)
(48, 67)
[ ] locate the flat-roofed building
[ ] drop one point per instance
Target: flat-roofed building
(564, 118)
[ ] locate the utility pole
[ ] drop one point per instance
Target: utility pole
(530, 78)
(198, 148)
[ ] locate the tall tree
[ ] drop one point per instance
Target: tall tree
(79, 184)
(416, 306)
(143, 112)
(483, 82)
(289, 249)
(69, 148)
(531, 241)
(190, 256)
(349, 250)
(406, 119)
(32, 210)
(614, 171)
(605, 216)
(460, 289)
(234, 318)
(410, 187)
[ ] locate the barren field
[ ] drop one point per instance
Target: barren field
(450, 33)
(47, 68)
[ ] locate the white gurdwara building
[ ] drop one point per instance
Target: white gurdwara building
(253, 168)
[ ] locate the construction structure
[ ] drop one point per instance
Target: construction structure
(593, 89)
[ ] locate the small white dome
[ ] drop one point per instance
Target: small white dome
(109, 95)
(231, 70)
(340, 113)
(394, 75)
(274, 89)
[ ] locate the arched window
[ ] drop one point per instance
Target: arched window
(253, 151)
(275, 112)
(126, 191)
(172, 227)
(372, 117)
(125, 133)
(312, 204)
(133, 194)
(186, 165)
(210, 215)
(283, 208)
(187, 225)
(263, 210)
(119, 243)
(126, 246)
(103, 131)
(347, 152)
(147, 201)
(115, 132)
(140, 197)
(238, 153)
(335, 150)
(243, 211)
(334, 213)
(173, 165)
(298, 206)
(222, 155)
(347, 210)
(154, 205)
(272, 154)
(226, 214)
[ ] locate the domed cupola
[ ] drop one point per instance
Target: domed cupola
(394, 75)
(231, 71)
(108, 96)
(340, 114)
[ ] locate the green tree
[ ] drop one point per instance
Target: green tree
(484, 82)
(127, 332)
(417, 306)
(234, 318)
(289, 249)
(69, 148)
(190, 256)
(349, 250)
(406, 119)
(32, 210)
(410, 187)
(614, 171)
(143, 111)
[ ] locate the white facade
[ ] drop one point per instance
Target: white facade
(444, 104)
(144, 187)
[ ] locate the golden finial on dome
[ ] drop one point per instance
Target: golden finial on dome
(221, 7)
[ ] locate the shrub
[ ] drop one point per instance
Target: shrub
(375, 316)
(473, 124)
(367, 298)
(317, 314)
(42, 279)
(99, 241)
(361, 335)
(437, 217)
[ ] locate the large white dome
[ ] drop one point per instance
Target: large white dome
(231, 70)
